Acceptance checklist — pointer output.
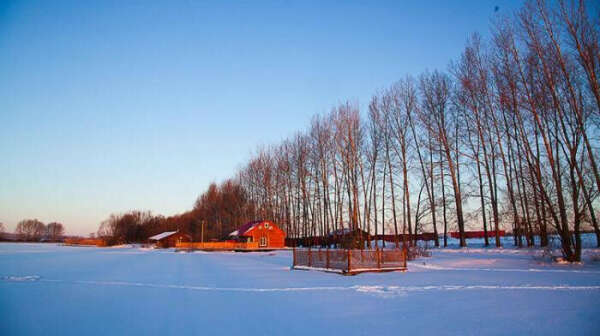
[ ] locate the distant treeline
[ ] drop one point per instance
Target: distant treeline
(216, 213)
(32, 230)
(506, 138)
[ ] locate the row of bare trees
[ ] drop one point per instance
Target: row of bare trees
(34, 230)
(505, 139)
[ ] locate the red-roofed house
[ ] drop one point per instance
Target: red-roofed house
(266, 233)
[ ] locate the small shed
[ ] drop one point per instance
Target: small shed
(348, 238)
(266, 233)
(169, 239)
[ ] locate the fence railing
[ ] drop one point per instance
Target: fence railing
(350, 261)
(85, 241)
(415, 252)
(218, 246)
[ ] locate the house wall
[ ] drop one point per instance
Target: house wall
(219, 246)
(172, 240)
(275, 236)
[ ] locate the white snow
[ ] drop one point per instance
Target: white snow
(20, 278)
(479, 291)
(162, 235)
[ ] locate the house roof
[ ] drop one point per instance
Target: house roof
(245, 228)
(162, 235)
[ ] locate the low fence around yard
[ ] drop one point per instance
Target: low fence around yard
(218, 246)
(350, 261)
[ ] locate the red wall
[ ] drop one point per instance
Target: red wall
(478, 234)
(275, 236)
(172, 240)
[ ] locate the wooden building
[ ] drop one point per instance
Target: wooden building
(478, 234)
(266, 233)
(424, 236)
(348, 239)
(169, 239)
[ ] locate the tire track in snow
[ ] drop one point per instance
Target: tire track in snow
(368, 289)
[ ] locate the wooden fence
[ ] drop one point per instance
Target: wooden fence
(330, 240)
(350, 261)
(85, 241)
(218, 246)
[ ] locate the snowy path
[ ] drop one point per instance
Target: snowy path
(362, 289)
(68, 290)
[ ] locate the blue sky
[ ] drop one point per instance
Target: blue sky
(115, 105)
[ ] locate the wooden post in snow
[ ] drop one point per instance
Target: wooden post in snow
(202, 232)
(294, 257)
(378, 256)
(319, 255)
(349, 260)
(309, 258)
(327, 257)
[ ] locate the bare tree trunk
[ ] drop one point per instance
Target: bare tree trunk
(443, 184)
(485, 232)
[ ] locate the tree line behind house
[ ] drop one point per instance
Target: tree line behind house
(216, 213)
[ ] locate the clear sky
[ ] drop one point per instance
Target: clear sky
(108, 106)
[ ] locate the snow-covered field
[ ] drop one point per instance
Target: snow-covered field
(56, 290)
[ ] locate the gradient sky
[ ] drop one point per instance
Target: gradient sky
(107, 106)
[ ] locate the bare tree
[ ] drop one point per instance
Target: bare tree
(435, 89)
(30, 230)
(55, 231)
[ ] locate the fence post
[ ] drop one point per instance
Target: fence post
(309, 258)
(327, 257)
(404, 256)
(294, 257)
(349, 260)
(378, 255)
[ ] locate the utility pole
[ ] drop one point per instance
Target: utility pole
(202, 232)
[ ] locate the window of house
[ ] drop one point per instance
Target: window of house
(263, 241)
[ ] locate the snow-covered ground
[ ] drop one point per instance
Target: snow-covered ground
(57, 290)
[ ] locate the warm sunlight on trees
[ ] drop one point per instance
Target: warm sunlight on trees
(30, 230)
(55, 231)
(507, 138)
